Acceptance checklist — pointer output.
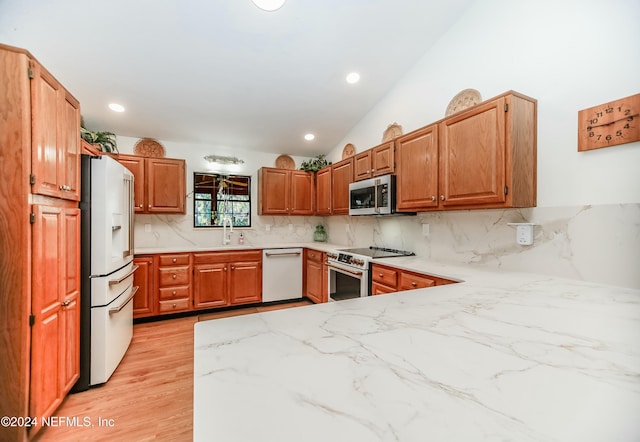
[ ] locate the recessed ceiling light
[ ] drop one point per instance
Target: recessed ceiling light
(309, 137)
(269, 5)
(116, 107)
(353, 78)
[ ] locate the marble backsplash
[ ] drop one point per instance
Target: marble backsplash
(593, 243)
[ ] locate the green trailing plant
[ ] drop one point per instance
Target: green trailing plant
(106, 140)
(315, 164)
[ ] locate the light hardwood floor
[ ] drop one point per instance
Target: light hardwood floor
(150, 395)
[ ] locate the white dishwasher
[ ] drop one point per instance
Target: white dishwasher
(281, 274)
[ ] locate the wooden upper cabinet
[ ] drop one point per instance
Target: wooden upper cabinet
(417, 171)
(166, 186)
(341, 177)
(379, 160)
(285, 192)
(302, 193)
(159, 183)
(383, 159)
(136, 165)
(362, 165)
(488, 155)
(55, 137)
(323, 191)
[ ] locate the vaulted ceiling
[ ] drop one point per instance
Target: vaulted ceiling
(223, 72)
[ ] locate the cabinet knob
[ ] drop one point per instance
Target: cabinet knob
(414, 284)
(141, 206)
(173, 293)
(174, 305)
(149, 206)
(174, 276)
(233, 268)
(174, 260)
(65, 303)
(441, 197)
(225, 269)
(381, 275)
(433, 198)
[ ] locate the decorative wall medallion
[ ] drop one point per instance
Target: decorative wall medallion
(463, 99)
(148, 147)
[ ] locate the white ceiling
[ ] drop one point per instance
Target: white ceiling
(223, 72)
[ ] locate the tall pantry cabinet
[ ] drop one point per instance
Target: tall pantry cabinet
(39, 241)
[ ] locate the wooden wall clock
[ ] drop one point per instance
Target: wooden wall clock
(609, 124)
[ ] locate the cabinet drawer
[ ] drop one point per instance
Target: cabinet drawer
(217, 257)
(380, 289)
(173, 260)
(175, 305)
(170, 276)
(409, 281)
(384, 275)
(174, 292)
(313, 255)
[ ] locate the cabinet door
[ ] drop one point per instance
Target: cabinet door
(46, 305)
(210, 285)
(70, 147)
(383, 159)
(342, 176)
(362, 166)
(46, 157)
(136, 165)
(245, 282)
(314, 281)
(273, 191)
(417, 172)
(144, 299)
(323, 191)
(165, 185)
(302, 193)
(472, 156)
(70, 313)
(380, 289)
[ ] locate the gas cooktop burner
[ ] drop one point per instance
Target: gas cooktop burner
(377, 252)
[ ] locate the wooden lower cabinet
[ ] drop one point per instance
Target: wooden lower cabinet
(144, 300)
(174, 283)
(182, 282)
(385, 279)
(55, 339)
(315, 276)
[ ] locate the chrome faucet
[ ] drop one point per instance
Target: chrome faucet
(226, 239)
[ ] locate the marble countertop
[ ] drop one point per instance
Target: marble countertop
(500, 356)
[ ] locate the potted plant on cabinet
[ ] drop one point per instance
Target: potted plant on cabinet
(104, 141)
(315, 164)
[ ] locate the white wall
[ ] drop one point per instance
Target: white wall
(567, 54)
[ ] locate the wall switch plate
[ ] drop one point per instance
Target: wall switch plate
(267, 227)
(147, 227)
(425, 230)
(290, 228)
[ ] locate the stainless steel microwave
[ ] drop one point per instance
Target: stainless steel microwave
(374, 196)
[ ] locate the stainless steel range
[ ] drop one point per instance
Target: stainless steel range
(349, 270)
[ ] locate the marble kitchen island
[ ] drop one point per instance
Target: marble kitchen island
(500, 357)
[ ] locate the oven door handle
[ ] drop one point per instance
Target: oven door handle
(343, 270)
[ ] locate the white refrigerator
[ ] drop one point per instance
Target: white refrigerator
(107, 268)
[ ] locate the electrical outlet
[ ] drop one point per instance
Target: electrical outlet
(425, 230)
(290, 228)
(267, 227)
(147, 227)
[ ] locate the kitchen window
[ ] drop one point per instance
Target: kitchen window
(217, 196)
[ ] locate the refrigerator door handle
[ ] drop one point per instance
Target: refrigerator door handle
(121, 306)
(122, 278)
(128, 198)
